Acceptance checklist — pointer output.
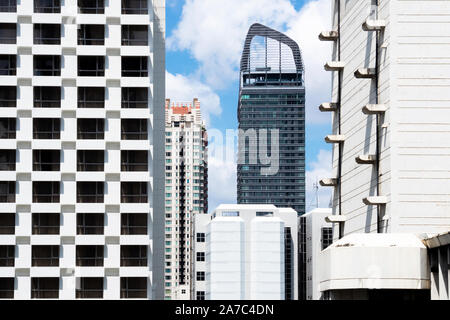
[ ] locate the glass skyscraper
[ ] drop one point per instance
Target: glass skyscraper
(271, 103)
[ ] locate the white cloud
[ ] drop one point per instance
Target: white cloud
(320, 168)
(214, 31)
(180, 88)
(221, 182)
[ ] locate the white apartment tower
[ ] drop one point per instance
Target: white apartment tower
(391, 144)
(186, 193)
(82, 90)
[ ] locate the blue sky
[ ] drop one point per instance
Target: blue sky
(204, 39)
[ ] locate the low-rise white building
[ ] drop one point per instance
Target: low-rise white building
(246, 252)
(315, 235)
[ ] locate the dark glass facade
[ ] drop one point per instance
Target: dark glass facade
(272, 96)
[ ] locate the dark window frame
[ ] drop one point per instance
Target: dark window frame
(41, 94)
(89, 290)
(200, 276)
(9, 196)
(200, 257)
(39, 289)
(127, 221)
(8, 97)
(53, 71)
(132, 197)
(10, 36)
(98, 8)
(85, 228)
(11, 65)
(55, 132)
(42, 165)
(128, 35)
(7, 288)
(133, 92)
(40, 28)
(9, 163)
(98, 134)
(200, 237)
(130, 260)
(7, 223)
(87, 97)
(10, 7)
(87, 35)
(7, 255)
(54, 8)
(97, 260)
(98, 71)
(130, 290)
(127, 163)
(142, 70)
(97, 197)
(41, 225)
(87, 165)
(200, 295)
(139, 131)
(52, 197)
(141, 9)
(52, 260)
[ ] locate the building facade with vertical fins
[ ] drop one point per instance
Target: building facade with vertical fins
(186, 192)
(391, 146)
(82, 91)
(271, 96)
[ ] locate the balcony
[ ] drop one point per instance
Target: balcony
(6, 288)
(90, 160)
(46, 128)
(46, 160)
(134, 7)
(134, 223)
(47, 34)
(44, 288)
(134, 35)
(134, 160)
(46, 191)
(134, 67)
(134, 98)
(91, 35)
(90, 288)
(89, 256)
(90, 223)
(133, 192)
(91, 66)
(47, 97)
(45, 256)
(7, 254)
(133, 256)
(8, 6)
(7, 223)
(134, 129)
(91, 97)
(46, 223)
(90, 192)
(8, 33)
(47, 6)
(8, 65)
(91, 129)
(8, 96)
(7, 191)
(133, 287)
(91, 6)
(47, 65)
(7, 160)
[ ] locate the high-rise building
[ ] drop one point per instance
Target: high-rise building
(82, 137)
(246, 252)
(391, 149)
(186, 192)
(271, 115)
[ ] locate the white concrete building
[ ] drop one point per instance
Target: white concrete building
(315, 235)
(82, 90)
(186, 192)
(246, 252)
(391, 147)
